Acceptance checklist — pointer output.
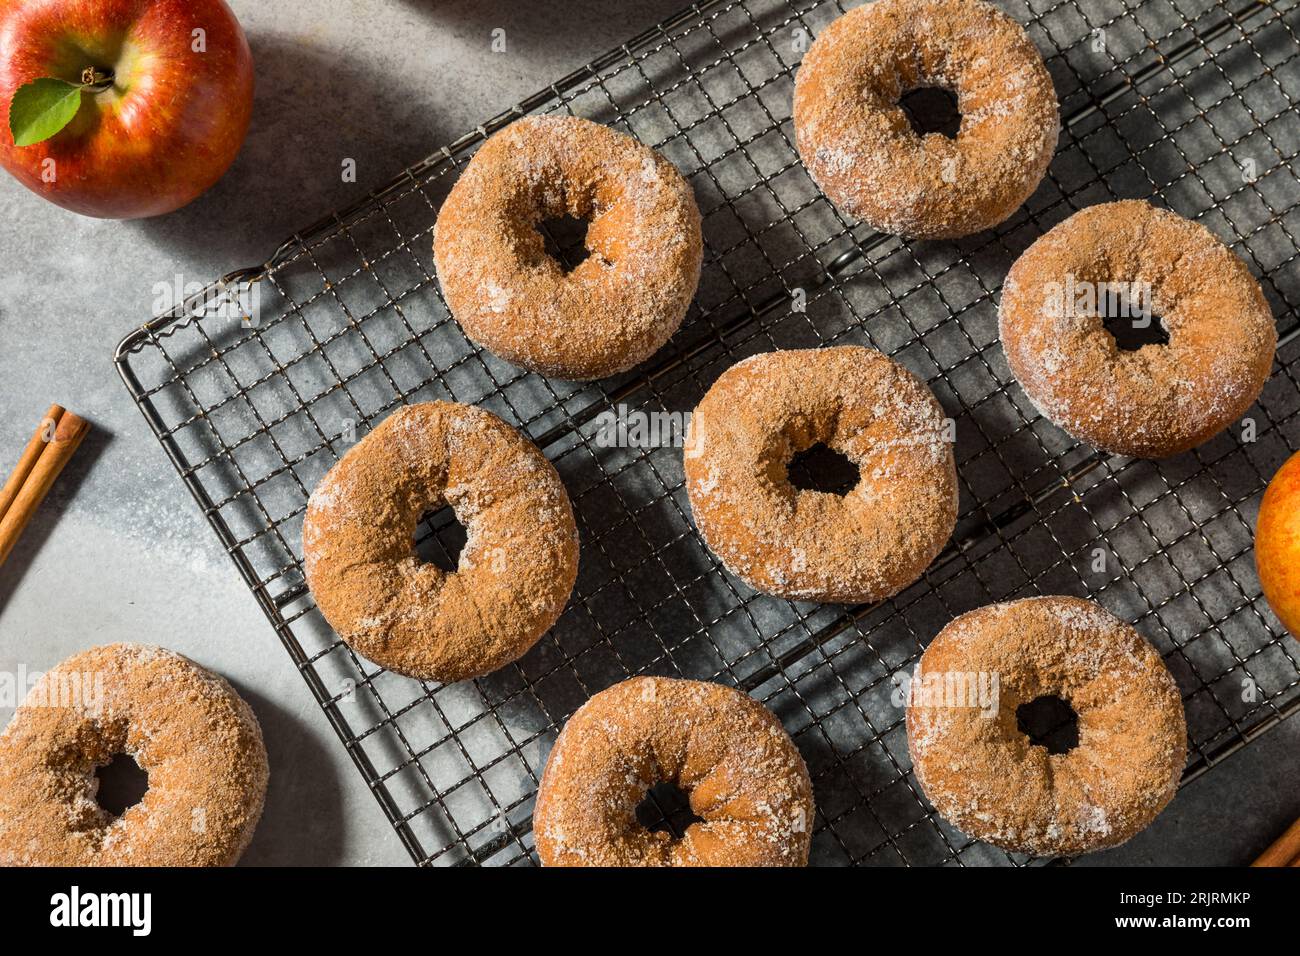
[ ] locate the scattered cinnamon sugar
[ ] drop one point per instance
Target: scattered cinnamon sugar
(186, 728)
(862, 152)
(744, 776)
(622, 302)
(1158, 400)
(516, 570)
(983, 774)
(811, 545)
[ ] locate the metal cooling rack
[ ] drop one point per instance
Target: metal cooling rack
(1189, 102)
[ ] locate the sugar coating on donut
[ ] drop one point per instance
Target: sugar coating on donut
(983, 774)
(1161, 399)
(742, 773)
(516, 569)
(186, 727)
(860, 148)
(621, 303)
(809, 545)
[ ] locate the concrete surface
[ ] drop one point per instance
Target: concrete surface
(120, 552)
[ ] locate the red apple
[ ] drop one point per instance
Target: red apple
(167, 108)
(1277, 544)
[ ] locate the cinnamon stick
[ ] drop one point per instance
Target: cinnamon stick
(1285, 851)
(68, 433)
(44, 432)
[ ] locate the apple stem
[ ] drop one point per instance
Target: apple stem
(96, 80)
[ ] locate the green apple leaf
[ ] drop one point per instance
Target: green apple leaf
(41, 108)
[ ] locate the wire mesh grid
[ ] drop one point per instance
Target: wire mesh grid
(1187, 102)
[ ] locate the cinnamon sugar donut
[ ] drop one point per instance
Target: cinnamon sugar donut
(1158, 400)
(516, 570)
(810, 545)
(622, 302)
(983, 774)
(862, 152)
(744, 776)
(185, 727)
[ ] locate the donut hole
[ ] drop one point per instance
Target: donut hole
(932, 109)
(122, 783)
(666, 808)
(1131, 331)
(439, 539)
(822, 468)
(1049, 721)
(565, 240)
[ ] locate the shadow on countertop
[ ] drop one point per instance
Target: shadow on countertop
(312, 110)
(315, 107)
(1226, 818)
(303, 822)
